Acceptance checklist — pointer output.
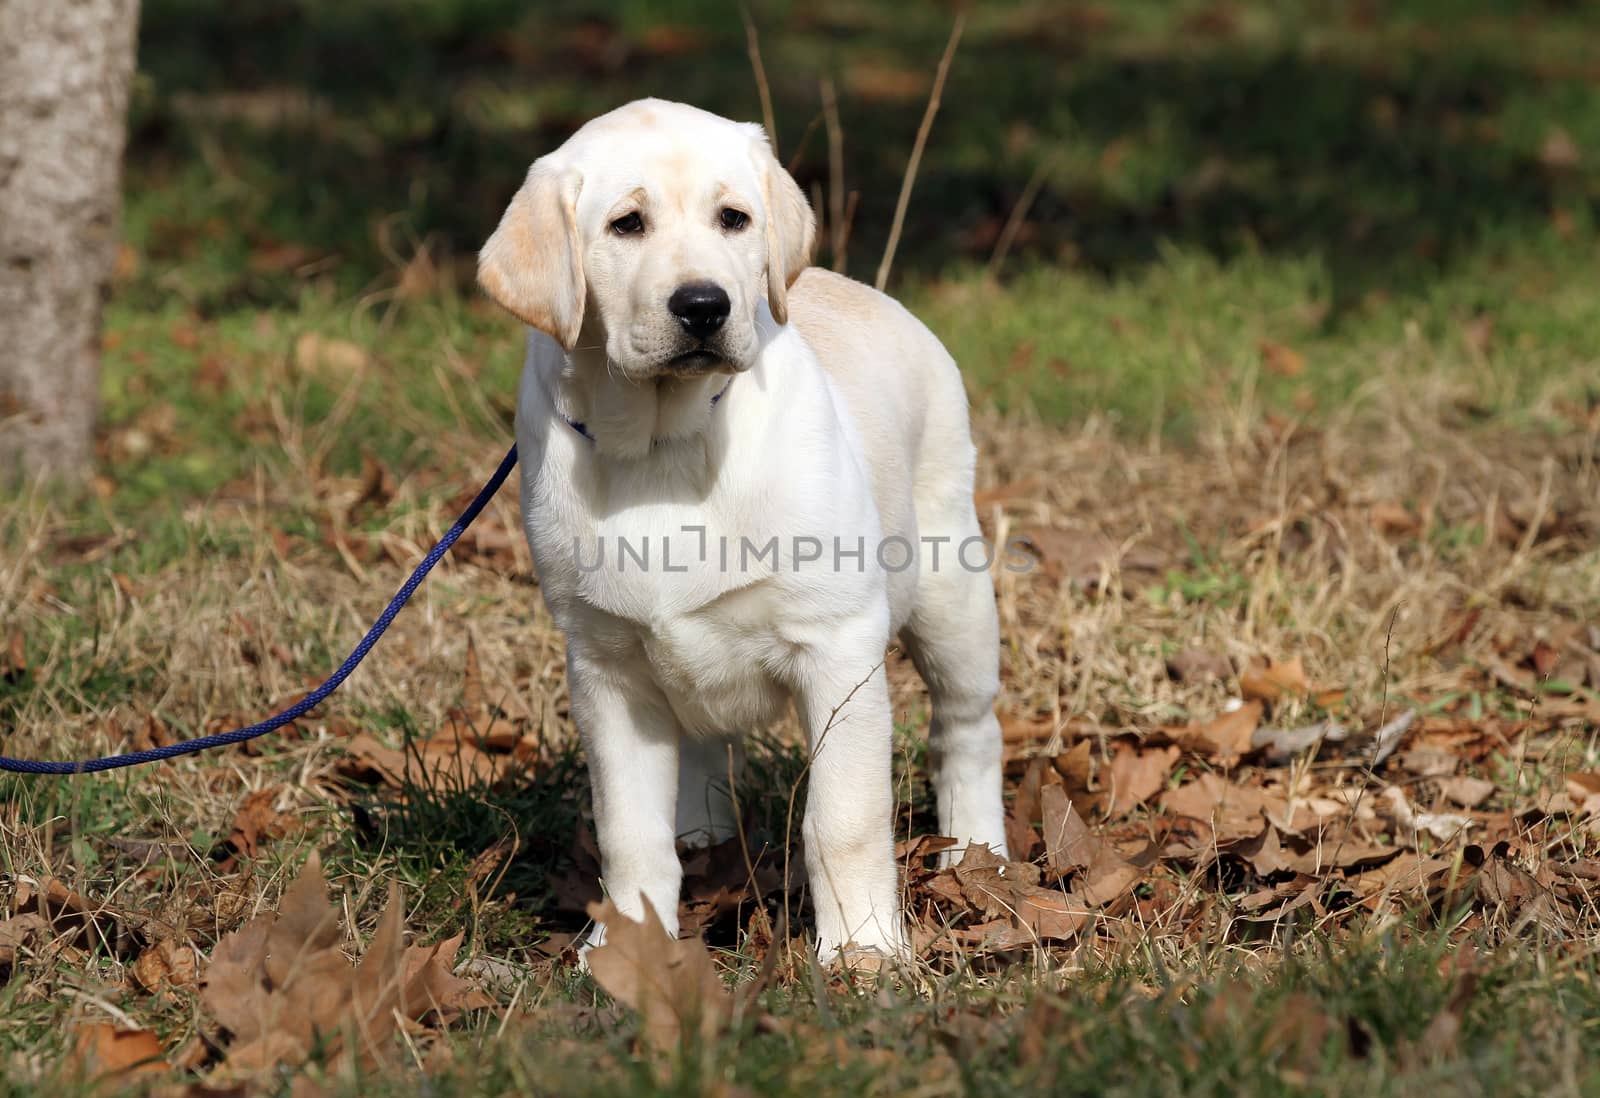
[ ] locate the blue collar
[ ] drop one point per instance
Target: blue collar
(582, 429)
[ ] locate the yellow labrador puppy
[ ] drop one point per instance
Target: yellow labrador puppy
(741, 477)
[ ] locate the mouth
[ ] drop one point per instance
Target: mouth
(699, 360)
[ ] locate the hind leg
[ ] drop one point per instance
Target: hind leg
(953, 637)
(707, 771)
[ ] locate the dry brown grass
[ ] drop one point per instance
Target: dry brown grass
(1404, 558)
(1338, 537)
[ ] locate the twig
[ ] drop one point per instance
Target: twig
(800, 148)
(752, 45)
(744, 841)
(916, 150)
(849, 222)
(838, 231)
(1019, 212)
(1388, 639)
(1369, 772)
(120, 1016)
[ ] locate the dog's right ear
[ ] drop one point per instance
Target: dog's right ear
(533, 262)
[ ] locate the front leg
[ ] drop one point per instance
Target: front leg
(631, 740)
(843, 700)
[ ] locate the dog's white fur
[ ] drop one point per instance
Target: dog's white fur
(841, 417)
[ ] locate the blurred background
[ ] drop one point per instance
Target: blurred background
(1203, 198)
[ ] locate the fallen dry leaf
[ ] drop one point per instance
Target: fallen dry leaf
(1001, 493)
(314, 353)
(74, 919)
(1443, 826)
(1282, 360)
(1104, 874)
(1404, 874)
(18, 934)
(1282, 744)
(880, 82)
(13, 658)
(103, 1051)
(1467, 792)
(1583, 784)
(283, 988)
(279, 257)
(166, 964)
(1268, 680)
(1429, 762)
(1007, 896)
(1135, 776)
(1559, 151)
(1265, 852)
(1233, 812)
(1394, 520)
(1198, 665)
(480, 745)
(443, 761)
(1387, 738)
(1084, 558)
(671, 982)
(1228, 737)
(152, 734)
(1075, 765)
(256, 819)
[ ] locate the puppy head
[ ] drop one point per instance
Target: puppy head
(658, 232)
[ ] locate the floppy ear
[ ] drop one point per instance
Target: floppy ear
(791, 227)
(533, 263)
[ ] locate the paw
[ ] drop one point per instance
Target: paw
(866, 952)
(593, 940)
(865, 962)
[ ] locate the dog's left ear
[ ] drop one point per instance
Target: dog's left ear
(533, 262)
(791, 226)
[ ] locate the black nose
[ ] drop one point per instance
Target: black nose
(700, 307)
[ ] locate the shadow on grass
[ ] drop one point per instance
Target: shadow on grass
(461, 842)
(1390, 154)
(523, 847)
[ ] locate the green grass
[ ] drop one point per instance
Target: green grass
(432, 833)
(210, 399)
(1177, 343)
(1319, 1017)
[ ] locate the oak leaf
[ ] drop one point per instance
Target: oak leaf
(283, 988)
(671, 982)
(1104, 874)
(1228, 737)
(1136, 776)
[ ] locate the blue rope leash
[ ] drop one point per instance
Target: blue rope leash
(311, 700)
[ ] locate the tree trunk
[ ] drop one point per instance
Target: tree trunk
(65, 68)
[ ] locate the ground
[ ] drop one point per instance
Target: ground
(1288, 380)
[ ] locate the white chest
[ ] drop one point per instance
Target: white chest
(685, 565)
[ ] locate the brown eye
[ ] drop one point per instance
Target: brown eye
(628, 225)
(733, 220)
